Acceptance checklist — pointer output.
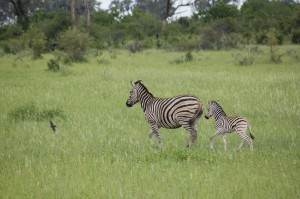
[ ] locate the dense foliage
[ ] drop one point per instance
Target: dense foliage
(142, 25)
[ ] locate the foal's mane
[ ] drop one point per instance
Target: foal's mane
(219, 106)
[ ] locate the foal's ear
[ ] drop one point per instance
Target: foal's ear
(132, 84)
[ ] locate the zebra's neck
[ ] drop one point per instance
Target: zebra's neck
(144, 97)
(218, 113)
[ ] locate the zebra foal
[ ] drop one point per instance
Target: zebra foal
(225, 124)
(173, 112)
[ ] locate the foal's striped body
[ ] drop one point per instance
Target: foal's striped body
(227, 124)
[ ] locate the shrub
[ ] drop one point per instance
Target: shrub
(247, 56)
(275, 53)
(295, 54)
(62, 57)
(53, 65)
(188, 56)
(232, 40)
(185, 58)
(74, 42)
(15, 46)
(243, 59)
(208, 39)
(36, 41)
(31, 112)
(134, 46)
(296, 36)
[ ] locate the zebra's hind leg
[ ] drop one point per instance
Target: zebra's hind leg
(150, 136)
(157, 134)
(193, 137)
(245, 138)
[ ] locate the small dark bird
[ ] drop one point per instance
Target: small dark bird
(53, 126)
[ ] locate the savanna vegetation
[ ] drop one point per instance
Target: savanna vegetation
(71, 62)
(77, 25)
(101, 148)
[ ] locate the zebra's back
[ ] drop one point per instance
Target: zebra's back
(234, 123)
(175, 111)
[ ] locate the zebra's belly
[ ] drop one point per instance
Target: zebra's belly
(168, 124)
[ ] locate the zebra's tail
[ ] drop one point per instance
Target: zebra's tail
(251, 133)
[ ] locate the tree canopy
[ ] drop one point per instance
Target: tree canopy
(214, 24)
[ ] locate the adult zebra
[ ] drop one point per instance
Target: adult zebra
(174, 112)
(226, 124)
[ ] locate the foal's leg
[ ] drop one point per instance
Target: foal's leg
(218, 132)
(224, 141)
(245, 138)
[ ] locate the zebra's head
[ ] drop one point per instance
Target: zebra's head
(215, 109)
(209, 110)
(133, 97)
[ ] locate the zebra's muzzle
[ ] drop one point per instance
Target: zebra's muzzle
(206, 117)
(128, 105)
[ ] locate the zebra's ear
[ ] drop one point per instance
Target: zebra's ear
(132, 84)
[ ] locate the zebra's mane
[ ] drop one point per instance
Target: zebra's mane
(219, 106)
(143, 86)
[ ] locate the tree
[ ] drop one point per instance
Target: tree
(124, 7)
(87, 13)
(222, 10)
(74, 42)
(20, 7)
(74, 11)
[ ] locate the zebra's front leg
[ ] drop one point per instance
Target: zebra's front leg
(212, 139)
(225, 142)
(154, 129)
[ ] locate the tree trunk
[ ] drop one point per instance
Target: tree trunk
(74, 12)
(87, 13)
(21, 12)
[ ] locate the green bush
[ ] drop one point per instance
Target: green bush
(232, 41)
(14, 46)
(31, 112)
(293, 53)
(189, 56)
(208, 39)
(36, 41)
(53, 65)
(134, 46)
(74, 42)
(275, 53)
(247, 56)
(296, 36)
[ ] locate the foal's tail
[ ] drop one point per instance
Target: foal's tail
(251, 133)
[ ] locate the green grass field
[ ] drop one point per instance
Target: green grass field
(101, 147)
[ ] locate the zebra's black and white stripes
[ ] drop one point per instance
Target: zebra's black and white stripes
(225, 124)
(174, 112)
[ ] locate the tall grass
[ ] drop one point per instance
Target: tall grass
(101, 147)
